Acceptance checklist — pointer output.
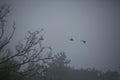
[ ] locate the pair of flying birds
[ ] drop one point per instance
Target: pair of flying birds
(71, 39)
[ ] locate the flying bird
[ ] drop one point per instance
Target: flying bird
(83, 41)
(71, 39)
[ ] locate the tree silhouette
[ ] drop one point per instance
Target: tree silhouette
(58, 66)
(28, 52)
(111, 75)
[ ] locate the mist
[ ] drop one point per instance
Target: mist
(96, 22)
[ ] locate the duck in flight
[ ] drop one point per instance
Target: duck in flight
(71, 39)
(83, 41)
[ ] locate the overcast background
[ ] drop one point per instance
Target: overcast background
(96, 21)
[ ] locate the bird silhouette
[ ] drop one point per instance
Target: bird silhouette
(71, 39)
(83, 41)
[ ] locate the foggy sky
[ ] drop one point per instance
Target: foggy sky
(96, 21)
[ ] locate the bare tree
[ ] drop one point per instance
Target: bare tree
(30, 51)
(4, 40)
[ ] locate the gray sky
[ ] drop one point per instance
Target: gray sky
(95, 21)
